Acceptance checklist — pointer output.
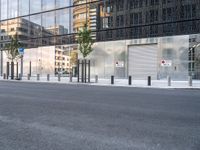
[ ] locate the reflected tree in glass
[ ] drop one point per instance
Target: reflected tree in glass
(85, 41)
(12, 53)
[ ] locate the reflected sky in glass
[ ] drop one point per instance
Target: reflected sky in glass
(12, 8)
(23, 7)
(35, 6)
(48, 5)
(4, 9)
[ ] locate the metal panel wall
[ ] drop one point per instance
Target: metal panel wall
(142, 61)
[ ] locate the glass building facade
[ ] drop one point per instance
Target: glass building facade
(132, 37)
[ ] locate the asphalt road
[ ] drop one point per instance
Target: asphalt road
(42, 116)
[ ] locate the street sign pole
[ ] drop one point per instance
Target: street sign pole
(21, 67)
(21, 52)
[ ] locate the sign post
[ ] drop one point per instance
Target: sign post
(21, 52)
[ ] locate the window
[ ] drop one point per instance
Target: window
(120, 5)
(109, 34)
(23, 7)
(62, 3)
(153, 15)
(136, 18)
(120, 20)
(168, 28)
(166, 1)
(12, 8)
(188, 11)
(4, 9)
(35, 6)
(48, 5)
(135, 3)
(120, 33)
(154, 30)
(154, 2)
(131, 19)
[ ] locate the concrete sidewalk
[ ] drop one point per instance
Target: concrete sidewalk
(117, 82)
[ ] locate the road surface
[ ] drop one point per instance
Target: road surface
(43, 116)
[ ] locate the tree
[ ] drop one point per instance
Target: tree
(197, 60)
(85, 41)
(195, 49)
(12, 53)
(197, 56)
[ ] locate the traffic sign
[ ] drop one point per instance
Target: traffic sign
(166, 63)
(21, 50)
(119, 64)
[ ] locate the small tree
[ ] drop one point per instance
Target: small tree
(12, 53)
(197, 56)
(85, 41)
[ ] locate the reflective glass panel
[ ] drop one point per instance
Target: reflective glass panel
(23, 7)
(12, 8)
(35, 26)
(48, 5)
(63, 18)
(63, 3)
(4, 7)
(48, 23)
(4, 32)
(35, 6)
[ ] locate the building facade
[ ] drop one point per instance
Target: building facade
(132, 19)
(133, 37)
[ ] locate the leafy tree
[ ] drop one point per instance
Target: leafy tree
(85, 41)
(11, 49)
(12, 53)
(197, 61)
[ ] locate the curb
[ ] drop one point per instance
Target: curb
(103, 85)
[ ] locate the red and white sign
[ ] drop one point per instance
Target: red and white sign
(166, 63)
(119, 64)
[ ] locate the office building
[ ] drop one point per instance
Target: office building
(133, 37)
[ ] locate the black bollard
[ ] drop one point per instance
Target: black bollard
(149, 81)
(96, 78)
(48, 77)
(38, 77)
(4, 76)
(7, 70)
(112, 79)
(70, 77)
(59, 76)
(20, 76)
(190, 80)
(129, 80)
(169, 80)
(17, 74)
(28, 76)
